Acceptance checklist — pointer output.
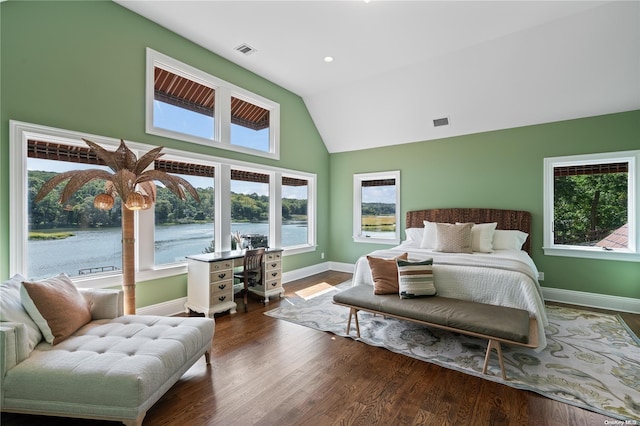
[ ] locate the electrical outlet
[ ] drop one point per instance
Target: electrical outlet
(322, 255)
(540, 276)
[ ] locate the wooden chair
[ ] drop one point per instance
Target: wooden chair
(251, 273)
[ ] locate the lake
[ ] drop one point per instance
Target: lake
(98, 248)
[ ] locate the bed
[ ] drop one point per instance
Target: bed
(498, 271)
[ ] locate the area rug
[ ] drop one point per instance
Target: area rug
(592, 360)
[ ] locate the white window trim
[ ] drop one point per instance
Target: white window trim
(632, 252)
(222, 122)
(21, 132)
(357, 204)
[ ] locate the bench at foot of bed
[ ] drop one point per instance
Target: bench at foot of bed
(497, 324)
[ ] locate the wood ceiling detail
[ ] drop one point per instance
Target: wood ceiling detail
(188, 94)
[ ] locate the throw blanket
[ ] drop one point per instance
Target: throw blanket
(507, 279)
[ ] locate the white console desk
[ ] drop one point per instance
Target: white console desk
(210, 286)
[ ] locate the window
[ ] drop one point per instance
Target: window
(249, 209)
(376, 201)
(591, 204)
(188, 104)
(184, 226)
(183, 105)
(296, 229)
(57, 233)
(168, 232)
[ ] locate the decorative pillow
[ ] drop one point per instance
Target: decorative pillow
(56, 306)
(385, 274)
(415, 279)
(11, 309)
(454, 238)
(482, 237)
(429, 235)
(414, 234)
(509, 239)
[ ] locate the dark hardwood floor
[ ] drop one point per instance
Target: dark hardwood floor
(266, 371)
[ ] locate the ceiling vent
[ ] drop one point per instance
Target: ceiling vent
(245, 49)
(438, 122)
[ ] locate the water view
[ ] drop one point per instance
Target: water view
(101, 249)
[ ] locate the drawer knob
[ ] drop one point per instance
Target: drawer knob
(274, 274)
(273, 265)
(222, 286)
(221, 276)
(274, 284)
(221, 298)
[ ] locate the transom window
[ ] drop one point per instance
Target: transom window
(376, 202)
(188, 104)
(591, 205)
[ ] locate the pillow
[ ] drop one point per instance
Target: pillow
(482, 237)
(415, 279)
(414, 234)
(56, 306)
(385, 274)
(454, 238)
(11, 309)
(509, 239)
(429, 235)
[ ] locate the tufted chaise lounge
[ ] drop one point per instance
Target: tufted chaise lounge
(115, 367)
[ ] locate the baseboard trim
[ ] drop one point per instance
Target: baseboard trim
(165, 309)
(593, 300)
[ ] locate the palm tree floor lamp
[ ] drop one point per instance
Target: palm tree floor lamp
(134, 185)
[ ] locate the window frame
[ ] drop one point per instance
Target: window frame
(358, 178)
(224, 91)
(632, 252)
(21, 132)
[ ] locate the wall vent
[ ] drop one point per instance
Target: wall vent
(245, 49)
(441, 122)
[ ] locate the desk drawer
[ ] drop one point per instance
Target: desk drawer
(273, 284)
(271, 265)
(224, 264)
(274, 256)
(221, 292)
(271, 275)
(220, 275)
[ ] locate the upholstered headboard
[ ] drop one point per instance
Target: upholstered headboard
(506, 219)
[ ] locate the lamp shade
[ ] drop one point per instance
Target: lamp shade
(135, 201)
(103, 201)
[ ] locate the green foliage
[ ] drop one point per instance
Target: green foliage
(378, 209)
(589, 207)
(169, 209)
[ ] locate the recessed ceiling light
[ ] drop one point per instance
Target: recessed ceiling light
(328, 58)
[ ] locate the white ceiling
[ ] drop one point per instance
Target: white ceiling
(398, 65)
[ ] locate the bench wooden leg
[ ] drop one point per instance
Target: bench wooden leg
(494, 344)
(353, 312)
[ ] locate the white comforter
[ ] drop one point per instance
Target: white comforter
(504, 277)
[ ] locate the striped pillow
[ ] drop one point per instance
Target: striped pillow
(415, 279)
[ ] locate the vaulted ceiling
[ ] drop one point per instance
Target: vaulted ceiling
(399, 65)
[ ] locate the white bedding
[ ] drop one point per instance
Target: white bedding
(504, 277)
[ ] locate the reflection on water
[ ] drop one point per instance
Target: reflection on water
(101, 248)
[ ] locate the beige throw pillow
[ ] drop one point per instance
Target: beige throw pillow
(385, 274)
(56, 306)
(454, 238)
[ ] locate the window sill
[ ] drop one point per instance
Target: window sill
(594, 253)
(372, 240)
(115, 279)
(303, 248)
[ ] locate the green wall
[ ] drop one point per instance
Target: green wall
(500, 169)
(81, 66)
